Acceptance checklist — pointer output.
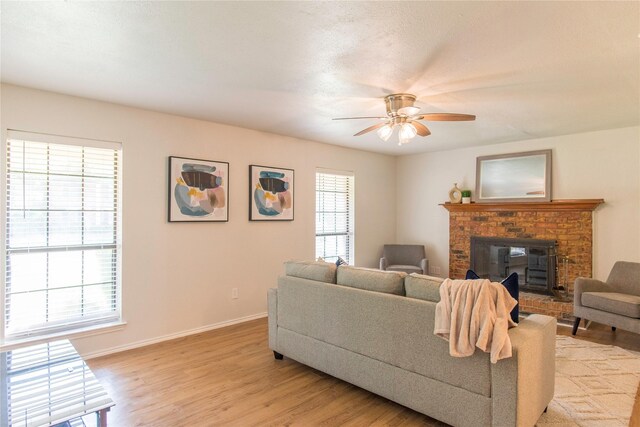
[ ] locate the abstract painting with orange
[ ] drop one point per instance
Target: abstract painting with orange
(198, 190)
(270, 194)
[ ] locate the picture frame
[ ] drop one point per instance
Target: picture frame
(198, 190)
(271, 193)
(514, 177)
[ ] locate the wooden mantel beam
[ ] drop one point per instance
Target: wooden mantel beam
(554, 205)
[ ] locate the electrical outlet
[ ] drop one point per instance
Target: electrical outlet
(234, 293)
(435, 270)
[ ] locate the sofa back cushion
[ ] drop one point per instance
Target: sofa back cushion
(311, 270)
(423, 287)
(388, 282)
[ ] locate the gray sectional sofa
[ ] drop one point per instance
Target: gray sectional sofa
(374, 329)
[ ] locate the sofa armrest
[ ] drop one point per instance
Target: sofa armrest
(272, 312)
(384, 263)
(424, 265)
(522, 386)
(583, 284)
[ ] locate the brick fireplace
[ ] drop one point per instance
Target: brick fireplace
(568, 222)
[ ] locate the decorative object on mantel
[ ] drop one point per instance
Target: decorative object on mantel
(515, 177)
(466, 196)
(554, 205)
(455, 194)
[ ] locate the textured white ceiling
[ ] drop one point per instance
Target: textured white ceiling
(526, 69)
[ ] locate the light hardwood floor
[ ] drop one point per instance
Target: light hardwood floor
(603, 334)
(229, 377)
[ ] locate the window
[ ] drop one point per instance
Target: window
(62, 247)
(334, 216)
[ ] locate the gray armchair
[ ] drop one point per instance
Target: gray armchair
(615, 303)
(407, 258)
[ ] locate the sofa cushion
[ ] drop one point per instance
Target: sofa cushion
(613, 302)
(423, 287)
(389, 282)
(405, 268)
(312, 270)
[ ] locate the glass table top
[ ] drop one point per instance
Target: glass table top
(47, 384)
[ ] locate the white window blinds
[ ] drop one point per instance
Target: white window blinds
(334, 216)
(62, 249)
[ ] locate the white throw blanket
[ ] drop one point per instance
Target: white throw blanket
(475, 313)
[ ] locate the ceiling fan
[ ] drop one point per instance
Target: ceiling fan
(402, 114)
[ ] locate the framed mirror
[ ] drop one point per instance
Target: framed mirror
(515, 177)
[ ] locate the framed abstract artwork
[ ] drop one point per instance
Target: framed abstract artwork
(271, 193)
(198, 190)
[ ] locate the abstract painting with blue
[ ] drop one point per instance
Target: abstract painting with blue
(198, 190)
(270, 193)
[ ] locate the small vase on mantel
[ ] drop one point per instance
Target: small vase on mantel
(455, 194)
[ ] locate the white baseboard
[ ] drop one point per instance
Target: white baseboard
(168, 337)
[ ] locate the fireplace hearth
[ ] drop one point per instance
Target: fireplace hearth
(495, 258)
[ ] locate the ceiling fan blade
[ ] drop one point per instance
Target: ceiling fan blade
(351, 118)
(370, 128)
(421, 129)
(448, 117)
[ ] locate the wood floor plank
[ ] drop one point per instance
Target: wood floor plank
(229, 377)
(635, 412)
(602, 334)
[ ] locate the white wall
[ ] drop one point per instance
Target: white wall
(604, 164)
(178, 276)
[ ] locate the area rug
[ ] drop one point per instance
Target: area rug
(595, 385)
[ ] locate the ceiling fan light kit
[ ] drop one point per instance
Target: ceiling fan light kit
(401, 113)
(385, 132)
(407, 131)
